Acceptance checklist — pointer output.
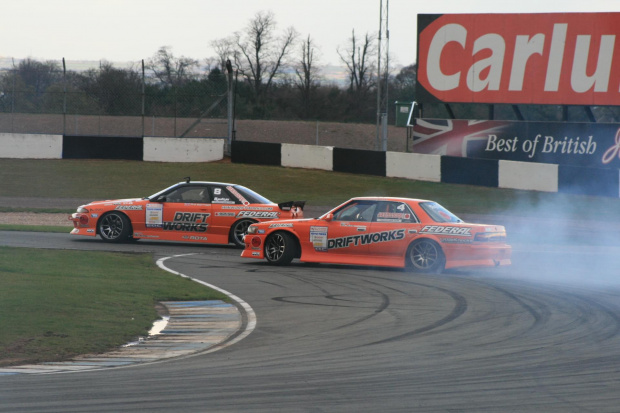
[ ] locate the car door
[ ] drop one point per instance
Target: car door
(348, 230)
(226, 208)
(391, 227)
(185, 214)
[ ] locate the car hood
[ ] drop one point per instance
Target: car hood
(116, 201)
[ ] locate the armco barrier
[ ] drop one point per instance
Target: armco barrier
(308, 156)
(358, 161)
(260, 153)
(588, 181)
(528, 176)
(102, 147)
(183, 149)
(481, 172)
(418, 166)
(23, 146)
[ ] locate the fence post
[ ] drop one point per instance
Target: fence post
(64, 96)
(143, 98)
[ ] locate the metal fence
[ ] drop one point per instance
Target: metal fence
(107, 101)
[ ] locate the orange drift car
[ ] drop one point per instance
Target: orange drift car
(207, 212)
(393, 232)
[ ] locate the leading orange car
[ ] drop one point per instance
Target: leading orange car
(393, 232)
(190, 211)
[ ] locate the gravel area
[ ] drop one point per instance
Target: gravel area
(31, 218)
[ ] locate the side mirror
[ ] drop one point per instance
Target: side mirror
(161, 198)
(328, 217)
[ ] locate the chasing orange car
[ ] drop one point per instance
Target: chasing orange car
(378, 231)
(206, 212)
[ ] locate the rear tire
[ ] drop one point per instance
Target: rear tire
(426, 256)
(114, 227)
(280, 248)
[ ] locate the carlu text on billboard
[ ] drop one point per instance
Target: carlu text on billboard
(553, 58)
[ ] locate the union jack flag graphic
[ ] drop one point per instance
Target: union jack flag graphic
(451, 137)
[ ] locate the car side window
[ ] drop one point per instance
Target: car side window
(391, 211)
(189, 195)
(361, 211)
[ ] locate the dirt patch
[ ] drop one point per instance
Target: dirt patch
(38, 219)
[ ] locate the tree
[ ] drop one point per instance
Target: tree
(170, 70)
(306, 75)
(117, 91)
(359, 62)
(260, 54)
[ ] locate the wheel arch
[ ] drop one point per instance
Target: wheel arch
(434, 240)
(110, 212)
(293, 234)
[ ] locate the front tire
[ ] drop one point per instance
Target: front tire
(426, 256)
(280, 248)
(238, 231)
(114, 227)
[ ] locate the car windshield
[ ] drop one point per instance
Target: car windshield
(156, 194)
(439, 213)
(251, 196)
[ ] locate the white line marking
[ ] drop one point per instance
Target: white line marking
(251, 315)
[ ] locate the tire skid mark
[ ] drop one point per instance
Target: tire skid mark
(460, 306)
(385, 301)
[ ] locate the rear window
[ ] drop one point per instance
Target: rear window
(438, 213)
(251, 196)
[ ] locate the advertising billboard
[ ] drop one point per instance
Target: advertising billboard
(550, 58)
(594, 145)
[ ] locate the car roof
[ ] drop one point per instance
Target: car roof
(205, 182)
(390, 198)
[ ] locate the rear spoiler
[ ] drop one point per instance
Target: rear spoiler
(287, 206)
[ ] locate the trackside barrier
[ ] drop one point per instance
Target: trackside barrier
(528, 175)
(25, 146)
(308, 156)
(359, 161)
(259, 153)
(469, 171)
(102, 147)
(183, 149)
(417, 166)
(435, 168)
(588, 181)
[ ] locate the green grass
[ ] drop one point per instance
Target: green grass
(65, 303)
(105, 179)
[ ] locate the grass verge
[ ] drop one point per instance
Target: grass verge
(111, 179)
(65, 303)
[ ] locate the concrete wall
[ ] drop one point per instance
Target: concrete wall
(183, 149)
(29, 146)
(413, 166)
(15, 145)
(529, 176)
(308, 156)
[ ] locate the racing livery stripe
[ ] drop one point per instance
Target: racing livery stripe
(446, 230)
(366, 239)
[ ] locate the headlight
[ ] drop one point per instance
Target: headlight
(82, 209)
(252, 229)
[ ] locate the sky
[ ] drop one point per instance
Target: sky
(131, 30)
